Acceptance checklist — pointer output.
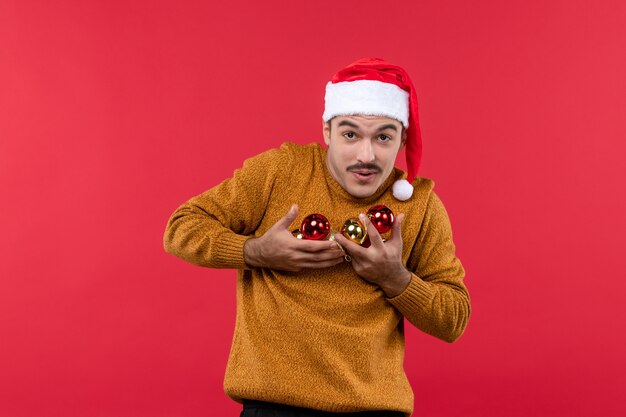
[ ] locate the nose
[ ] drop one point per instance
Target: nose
(365, 152)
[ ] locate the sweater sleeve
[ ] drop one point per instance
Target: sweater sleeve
(211, 229)
(436, 301)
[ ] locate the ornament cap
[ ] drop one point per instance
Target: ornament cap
(402, 190)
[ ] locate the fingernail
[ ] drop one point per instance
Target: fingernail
(362, 217)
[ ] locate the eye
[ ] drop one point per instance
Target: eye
(384, 138)
(349, 135)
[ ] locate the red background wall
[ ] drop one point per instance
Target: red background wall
(114, 113)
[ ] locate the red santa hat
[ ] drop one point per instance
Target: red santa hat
(375, 87)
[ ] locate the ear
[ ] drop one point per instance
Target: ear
(403, 139)
(326, 131)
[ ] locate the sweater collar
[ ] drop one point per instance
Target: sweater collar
(339, 191)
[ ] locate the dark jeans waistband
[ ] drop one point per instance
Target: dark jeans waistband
(293, 411)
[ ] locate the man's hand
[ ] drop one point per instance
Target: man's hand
(381, 263)
(279, 249)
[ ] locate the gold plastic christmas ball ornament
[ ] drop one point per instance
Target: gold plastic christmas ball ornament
(297, 234)
(353, 229)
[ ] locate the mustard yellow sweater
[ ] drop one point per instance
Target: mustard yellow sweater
(323, 338)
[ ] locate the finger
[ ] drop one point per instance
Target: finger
(375, 239)
(319, 256)
(314, 245)
(324, 264)
(396, 229)
(288, 218)
(349, 246)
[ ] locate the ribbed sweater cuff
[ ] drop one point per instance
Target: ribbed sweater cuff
(230, 254)
(417, 294)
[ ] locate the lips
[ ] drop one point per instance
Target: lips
(364, 175)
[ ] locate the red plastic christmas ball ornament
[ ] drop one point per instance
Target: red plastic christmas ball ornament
(381, 217)
(315, 227)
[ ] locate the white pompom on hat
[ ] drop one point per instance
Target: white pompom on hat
(372, 86)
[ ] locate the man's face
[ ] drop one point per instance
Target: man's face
(362, 151)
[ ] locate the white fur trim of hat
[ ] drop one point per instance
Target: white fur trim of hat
(370, 97)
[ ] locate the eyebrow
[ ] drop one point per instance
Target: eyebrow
(380, 129)
(388, 126)
(347, 123)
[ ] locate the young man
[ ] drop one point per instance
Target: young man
(320, 323)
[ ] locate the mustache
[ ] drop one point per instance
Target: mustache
(368, 166)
